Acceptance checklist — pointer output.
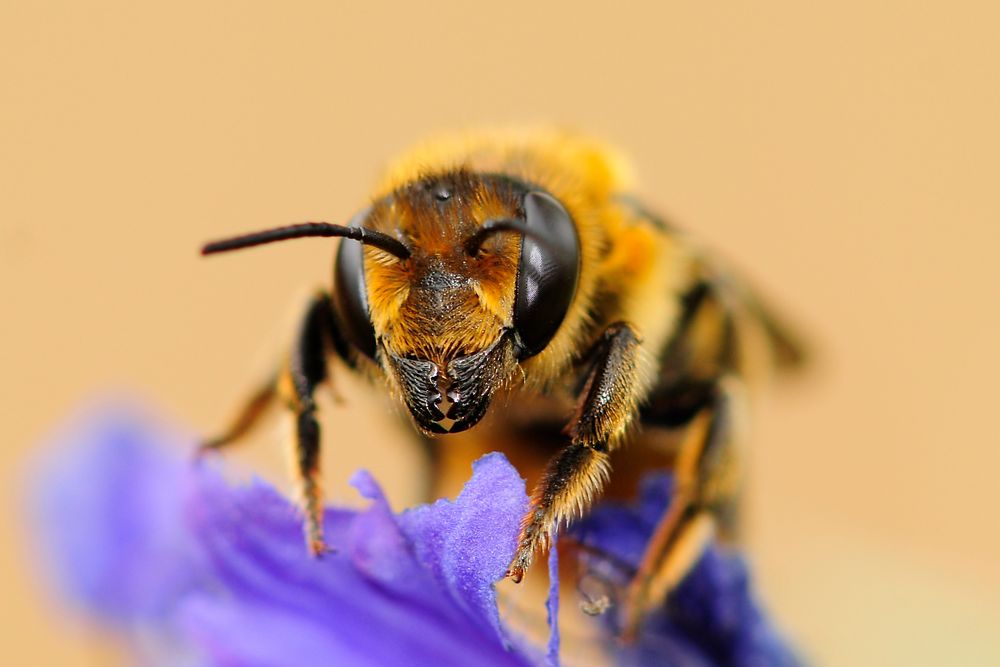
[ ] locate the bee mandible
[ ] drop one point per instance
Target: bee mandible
(494, 273)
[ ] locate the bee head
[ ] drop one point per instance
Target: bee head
(447, 284)
(491, 270)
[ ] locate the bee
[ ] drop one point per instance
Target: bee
(511, 286)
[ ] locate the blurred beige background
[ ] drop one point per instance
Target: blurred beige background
(846, 157)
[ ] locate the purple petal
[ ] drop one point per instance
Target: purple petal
(712, 618)
(107, 515)
(468, 544)
(193, 569)
(413, 589)
(552, 608)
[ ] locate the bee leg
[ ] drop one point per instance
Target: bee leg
(255, 405)
(705, 489)
(574, 475)
(306, 370)
(294, 386)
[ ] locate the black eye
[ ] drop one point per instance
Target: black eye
(350, 295)
(547, 273)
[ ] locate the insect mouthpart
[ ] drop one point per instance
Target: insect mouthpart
(447, 402)
(455, 400)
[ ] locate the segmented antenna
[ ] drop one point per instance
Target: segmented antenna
(491, 227)
(323, 229)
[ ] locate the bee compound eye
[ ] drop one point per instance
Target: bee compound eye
(351, 296)
(548, 272)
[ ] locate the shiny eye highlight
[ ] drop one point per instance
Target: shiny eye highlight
(547, 274)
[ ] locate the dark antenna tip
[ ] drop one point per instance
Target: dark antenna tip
(309, 229)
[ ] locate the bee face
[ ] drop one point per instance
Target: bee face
(492, 270)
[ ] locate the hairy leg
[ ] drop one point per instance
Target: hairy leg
(295, 386)
(706, 483)
(575, 475)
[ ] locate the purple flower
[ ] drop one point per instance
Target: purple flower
(710, 619)
(192, 570)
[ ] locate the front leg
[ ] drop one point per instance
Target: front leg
(574, 476)
(295, 385)
(307, 368)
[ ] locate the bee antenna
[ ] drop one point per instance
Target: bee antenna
(364, 235)
(491, 227)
